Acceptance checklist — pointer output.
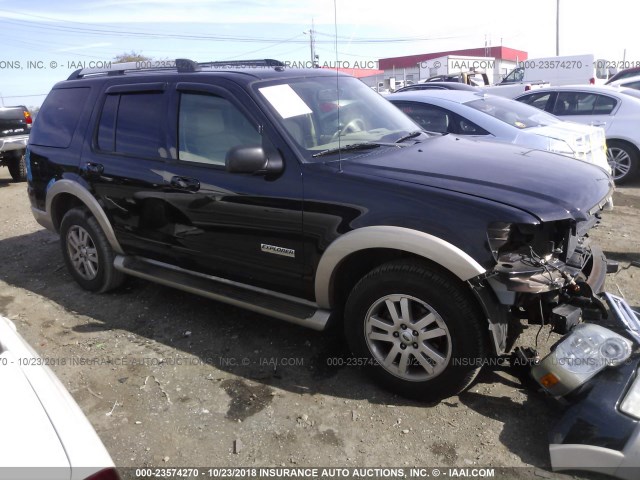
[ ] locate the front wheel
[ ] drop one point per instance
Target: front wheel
(417, 330)
(87, 252)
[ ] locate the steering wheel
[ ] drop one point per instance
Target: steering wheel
(352, 126)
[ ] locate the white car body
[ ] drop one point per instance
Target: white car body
(44, 432)
(505, 121)
(621, 123)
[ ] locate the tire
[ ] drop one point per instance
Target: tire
(623, 160)
(87, 253)
(18, 167)
(443, 333)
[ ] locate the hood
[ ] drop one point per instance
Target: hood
(546, 185)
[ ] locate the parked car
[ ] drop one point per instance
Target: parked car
(439, 86)
(474, 79)
(617, 110)
(15, 126)
(502, 120)
(44, 432)
(622, 74)
(627, 82)
(304, 195)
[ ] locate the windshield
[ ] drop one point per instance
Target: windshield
(514, 113)
(319, 116)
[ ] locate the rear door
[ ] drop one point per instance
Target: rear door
(127, 163)
(585, 107)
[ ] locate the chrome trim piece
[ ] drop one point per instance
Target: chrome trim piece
(624, 314)
(285, 252)
(317, 321)
(397, 238)
(77, 190)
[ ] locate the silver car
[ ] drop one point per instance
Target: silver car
(502, 120)
(617, 110)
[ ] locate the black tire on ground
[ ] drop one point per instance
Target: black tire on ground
(18, 167)
(87, 252)
(417, 331)
(623, 160)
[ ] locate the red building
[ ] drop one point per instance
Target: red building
(409, 61)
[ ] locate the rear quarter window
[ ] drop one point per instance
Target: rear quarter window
(58, 117)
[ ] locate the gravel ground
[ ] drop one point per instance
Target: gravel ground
(171, 379)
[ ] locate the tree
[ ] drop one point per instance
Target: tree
(132, 56)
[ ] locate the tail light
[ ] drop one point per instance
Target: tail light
(592, 81)
(527, 88)
(105, 474)
(27, 117)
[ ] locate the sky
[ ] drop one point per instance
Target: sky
(43, 41)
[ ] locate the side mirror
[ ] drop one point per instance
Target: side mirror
(252, 159)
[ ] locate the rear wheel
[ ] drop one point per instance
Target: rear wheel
(18, 167)
(623, 160)
(87, 252)
(416, 329)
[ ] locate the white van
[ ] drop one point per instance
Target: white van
(567, 70)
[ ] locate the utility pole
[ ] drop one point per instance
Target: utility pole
(312, 45)
(557, 28)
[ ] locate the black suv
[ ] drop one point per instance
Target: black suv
(304, 195)
(15, 127)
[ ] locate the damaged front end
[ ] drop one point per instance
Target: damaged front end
(545, 273)
(550, 274)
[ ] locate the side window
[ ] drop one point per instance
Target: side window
(209, 126)
(107, 125)
(574, 103)
(131, 124)
(58, 117)
(430, 118)
(538, 100)
(467, 127)
(604, 105)
(515, 76)
(139, 125)
(635, 85)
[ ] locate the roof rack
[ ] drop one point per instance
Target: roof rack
(263, 62)
(182, 65)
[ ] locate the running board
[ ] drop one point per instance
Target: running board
(273, 304)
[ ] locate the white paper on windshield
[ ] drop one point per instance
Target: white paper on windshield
(285, 100)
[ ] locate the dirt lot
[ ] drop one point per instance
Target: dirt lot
(170, 379)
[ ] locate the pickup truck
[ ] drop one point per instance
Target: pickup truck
(15, 126)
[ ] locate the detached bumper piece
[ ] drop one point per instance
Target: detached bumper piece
(595, 435)
(600, 432)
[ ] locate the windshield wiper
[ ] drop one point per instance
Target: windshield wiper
(353, 146)
(409, 136)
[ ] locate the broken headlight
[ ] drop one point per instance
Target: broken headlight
(498, 236)
(583, 353)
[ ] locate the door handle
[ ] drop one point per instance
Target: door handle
(598, 124)
(94, 169)
(185, 183)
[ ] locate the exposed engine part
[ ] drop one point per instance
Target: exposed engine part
(564, 317)
(522, 273)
